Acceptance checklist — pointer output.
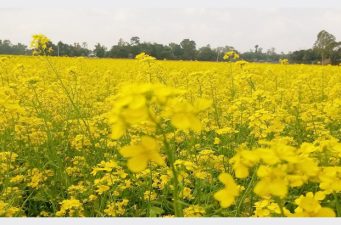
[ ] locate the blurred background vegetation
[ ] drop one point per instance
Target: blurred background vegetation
(326, 50)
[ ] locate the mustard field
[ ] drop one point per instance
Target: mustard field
(146, 138)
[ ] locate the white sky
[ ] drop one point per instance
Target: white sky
(285, 25)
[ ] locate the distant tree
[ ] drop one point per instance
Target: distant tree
(6, 47)
(120, 50)
(63, 49)
(19, 49)
(269, 56)
(84, 45)
(134, 46)
(325, 44)
(121, 42)
(157, 50)
(206, 54)
(166, 53)
(271, 51)
(189, 49)
(176, 50)
(309, 56)
(100, 50)
(336, 56)
(325, 47)
(297, 56)
(76, 49)
(134, 41)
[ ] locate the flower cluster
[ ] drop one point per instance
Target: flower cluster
(147, 138)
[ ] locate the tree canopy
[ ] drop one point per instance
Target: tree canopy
(325, 50)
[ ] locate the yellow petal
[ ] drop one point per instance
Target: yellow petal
(150, 143)
(131, 151)
(226, 178)
(137, 102)
(241, 171)
(224, 198)
(326, 212)
(278, 188)
(157, 158)
(118, 130)
(202, 104)
(181, 121)
(138, 163)
(195, 123)
(262, 188)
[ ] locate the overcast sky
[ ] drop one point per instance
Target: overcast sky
(284, 25)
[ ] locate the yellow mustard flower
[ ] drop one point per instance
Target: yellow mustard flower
(139, 155)
(309, 206)
(227, 196)
(71, 207)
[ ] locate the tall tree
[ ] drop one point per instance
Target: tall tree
(324, 44)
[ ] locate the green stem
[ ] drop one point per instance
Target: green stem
(171, 157)
(150, 189)
(280, 204)
(338, 206)
(246, 192)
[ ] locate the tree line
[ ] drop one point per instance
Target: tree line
(326, 50)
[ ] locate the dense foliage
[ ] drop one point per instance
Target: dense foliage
(326, 50)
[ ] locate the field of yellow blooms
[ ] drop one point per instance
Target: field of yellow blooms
(147, 138)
